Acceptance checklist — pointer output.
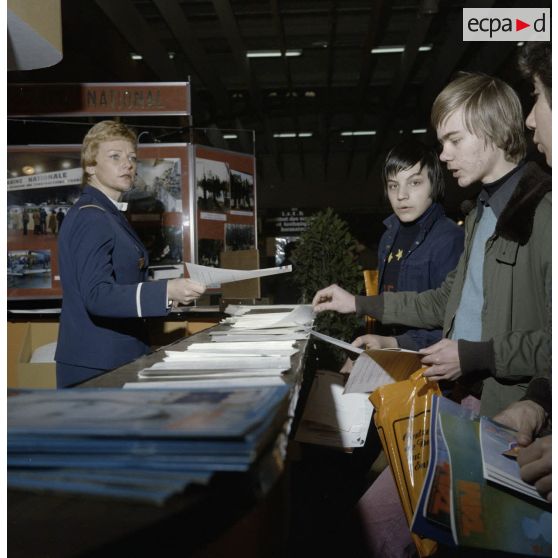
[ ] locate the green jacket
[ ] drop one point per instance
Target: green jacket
(516, 317)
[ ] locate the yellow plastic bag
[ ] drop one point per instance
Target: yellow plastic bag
(402, 418)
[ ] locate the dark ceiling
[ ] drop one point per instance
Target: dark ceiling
(335, 85)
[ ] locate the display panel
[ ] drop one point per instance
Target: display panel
(45, 181)
(225, 193)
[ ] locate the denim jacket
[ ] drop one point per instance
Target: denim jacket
(434, 253)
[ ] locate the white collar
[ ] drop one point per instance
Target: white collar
(121, 206)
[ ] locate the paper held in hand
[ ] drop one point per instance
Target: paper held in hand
(378, 367)
(214, 277)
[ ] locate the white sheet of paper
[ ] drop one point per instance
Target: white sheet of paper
(327, 404)
(245, 381)
(244, 347)
(280, 331)
(243, 336)
(228, 352)
(225, 362)
(302, 315)
(208, 374)
(378, 367)
(241, 309)
(332, 418)
(337, 342)
(213, 277)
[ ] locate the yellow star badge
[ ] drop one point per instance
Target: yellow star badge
(399, 254)
(390, 257)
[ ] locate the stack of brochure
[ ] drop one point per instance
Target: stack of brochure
(144, 445)
(474, 497)
(259, 356)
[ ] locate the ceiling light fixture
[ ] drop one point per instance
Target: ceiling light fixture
(286, 135)
(230, 136)
(273, 53)
(397, 48)
(419, 131)
(136, 56)
(359, 133)
(28, 169)
(172, 55)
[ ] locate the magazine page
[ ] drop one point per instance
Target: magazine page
(499, 458)
(163, 413)
(484, 516)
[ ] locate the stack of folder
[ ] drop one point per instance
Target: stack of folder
(138, 444)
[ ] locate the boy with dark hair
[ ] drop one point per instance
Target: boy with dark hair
(421, 245)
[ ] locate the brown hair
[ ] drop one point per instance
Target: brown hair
(107, 130)
(491, 111)
(535, 60)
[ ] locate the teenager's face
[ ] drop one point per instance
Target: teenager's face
(540, 121)
(467, 156)
(115, 170)
(410, 193)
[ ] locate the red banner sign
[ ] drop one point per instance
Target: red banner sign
(99, 99)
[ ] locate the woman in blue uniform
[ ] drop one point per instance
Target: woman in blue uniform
(103, 266)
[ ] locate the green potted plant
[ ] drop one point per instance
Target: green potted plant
(325, 254)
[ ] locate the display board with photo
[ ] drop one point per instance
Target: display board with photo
(239, 237)
(156, 207)
(213, 185)
(226, 202)
(45, 181)
(242, 191)
(29, 269)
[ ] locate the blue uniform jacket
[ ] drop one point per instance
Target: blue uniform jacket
(434, 253)
(103, 270)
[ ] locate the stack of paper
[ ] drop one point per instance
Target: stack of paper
(143, 445)
(332, 418)
(206, 361)
(302, 315)
(256, 348)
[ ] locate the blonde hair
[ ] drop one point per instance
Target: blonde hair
(491, 111)
(107, 130)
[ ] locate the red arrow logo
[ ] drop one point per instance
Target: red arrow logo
(519, 25)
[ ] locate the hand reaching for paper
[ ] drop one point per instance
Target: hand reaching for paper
(535, 465)
(184, 291)
(370, 341)
(334, 298)
(443, 361)
(527, 417)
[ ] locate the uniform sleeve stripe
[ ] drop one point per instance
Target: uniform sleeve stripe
(138, 299)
